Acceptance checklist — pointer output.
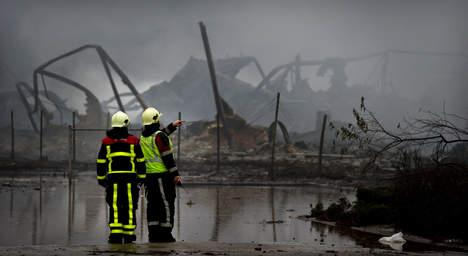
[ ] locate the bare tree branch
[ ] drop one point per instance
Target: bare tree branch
(436, 132)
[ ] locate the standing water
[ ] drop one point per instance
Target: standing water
(56, 213)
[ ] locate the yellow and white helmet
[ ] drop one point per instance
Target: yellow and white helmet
(120, 119)
(150, 116)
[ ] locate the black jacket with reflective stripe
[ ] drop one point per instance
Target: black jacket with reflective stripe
(120, 159)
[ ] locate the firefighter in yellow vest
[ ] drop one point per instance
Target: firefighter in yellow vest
(162, 176)
(120, 168)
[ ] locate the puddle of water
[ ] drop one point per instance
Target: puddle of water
(66, 214)
(77, 214)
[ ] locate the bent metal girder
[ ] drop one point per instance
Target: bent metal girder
(107, 62)
(25, 91)
(129, 105)
(23, 88)
(385, 55)
(93, 105)
(283, 129)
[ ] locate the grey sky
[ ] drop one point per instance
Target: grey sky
(151, 40)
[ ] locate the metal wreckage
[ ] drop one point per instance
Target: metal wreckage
(94, 114)
(185, 93)
(247, 109)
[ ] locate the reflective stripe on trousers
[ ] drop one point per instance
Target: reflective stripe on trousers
(166, 206)
(160, 195)
(120, 197)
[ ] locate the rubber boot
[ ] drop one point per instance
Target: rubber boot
(115, 239)
(128, 239)
(154, 234)
(166, 236)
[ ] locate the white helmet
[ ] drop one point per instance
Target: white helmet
(120, 119)
(150, 116)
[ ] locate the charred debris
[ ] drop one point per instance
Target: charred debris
(247, 108)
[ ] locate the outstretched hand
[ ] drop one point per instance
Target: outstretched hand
(177, 123)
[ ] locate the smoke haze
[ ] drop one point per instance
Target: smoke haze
(152, 40)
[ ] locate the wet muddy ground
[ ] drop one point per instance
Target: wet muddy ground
(53, 212)
(203, 248)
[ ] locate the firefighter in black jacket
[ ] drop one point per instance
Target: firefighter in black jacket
(120, 168)
(162, 176)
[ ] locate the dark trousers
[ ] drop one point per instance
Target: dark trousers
(122, 198)
(160, 195)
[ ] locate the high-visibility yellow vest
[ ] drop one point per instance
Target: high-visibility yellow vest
(153, 161)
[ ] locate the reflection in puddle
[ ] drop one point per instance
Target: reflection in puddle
(77, 214)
